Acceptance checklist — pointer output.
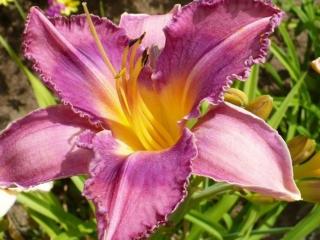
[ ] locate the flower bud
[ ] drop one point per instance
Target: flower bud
(310, 168)
(261, 106)
(309, 190)
(315, 64)
(236, 97)
(301, 148)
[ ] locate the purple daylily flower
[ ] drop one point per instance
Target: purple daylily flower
(54, 8)
(123, 120)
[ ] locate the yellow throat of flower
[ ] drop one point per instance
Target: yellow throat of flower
(137, 126)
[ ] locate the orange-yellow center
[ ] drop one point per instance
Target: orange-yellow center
(140, 126)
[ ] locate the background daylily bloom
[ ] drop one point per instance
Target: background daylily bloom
(5, 2)
(64, 7)
(125, 106)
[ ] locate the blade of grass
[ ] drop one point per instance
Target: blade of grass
(20, 10)
(55, 212)
(195, 219)
(42, 94)
(293, 56)
(250, 86)
(274, 73)
(305, 226)
(282, 57)
(101, 8)
(79, 181)
(215, 213)
(46, 224)
(271, 231)
(268, 222)
(211, 191)
(281, 111)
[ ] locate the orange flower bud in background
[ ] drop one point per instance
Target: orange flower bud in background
(309, 169)
(315, 64)
(261, 106)
(301, 148)
(236, 97)
(309, 190)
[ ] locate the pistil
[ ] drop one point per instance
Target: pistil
(98, 41)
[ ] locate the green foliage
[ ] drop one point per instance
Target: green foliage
(213, 210)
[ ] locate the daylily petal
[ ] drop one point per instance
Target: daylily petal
(7, 199)
(44, 187)
(239, 148)
(67, 58)
(42, 147)
(153, 25)
(135, 193)
(209, 44)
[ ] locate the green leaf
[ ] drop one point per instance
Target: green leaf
(211, 191)
(250, 86)
(52, 209)
(46, 224)
(42, 94)
(215, 213)
(305, 226)
(197, 219)
(281, 111)
(293, 56)
(274, 73)
(78, 181)
(283, 59)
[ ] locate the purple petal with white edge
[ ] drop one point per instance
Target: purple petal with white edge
(209, 44)
(65, 55)
(239, 148)
(135, 193)
(153, 25)
(41, 147)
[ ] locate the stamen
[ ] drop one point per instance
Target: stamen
(124, 66)
(157, 127)
(145, 137)
(97, 40)
(121, 93)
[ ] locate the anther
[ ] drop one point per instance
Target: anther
(145, 57)
(139, 39)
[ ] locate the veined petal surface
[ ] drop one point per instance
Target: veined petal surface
(210, 43)
(42, 147)
(239, 148)
(153, 25)
(135, 193)
(68, 60)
